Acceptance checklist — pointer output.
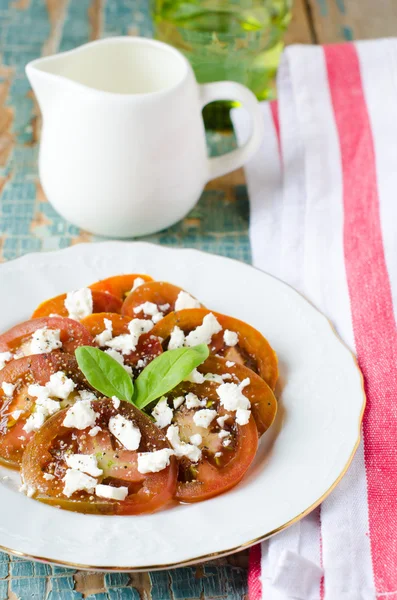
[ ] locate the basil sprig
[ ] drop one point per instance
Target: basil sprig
(160, 376)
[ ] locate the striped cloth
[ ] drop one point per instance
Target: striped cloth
(324, 218)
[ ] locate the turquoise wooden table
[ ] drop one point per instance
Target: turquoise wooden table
(218, 224)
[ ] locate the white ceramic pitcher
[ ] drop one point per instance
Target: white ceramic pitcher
(123, 149)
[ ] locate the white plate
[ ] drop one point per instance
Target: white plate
(300, 459)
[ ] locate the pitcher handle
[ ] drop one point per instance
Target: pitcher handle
(230, 90)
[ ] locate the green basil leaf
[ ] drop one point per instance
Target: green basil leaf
(104, 373)
(166, 371)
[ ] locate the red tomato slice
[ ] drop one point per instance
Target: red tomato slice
(252, 350)
(46, 454)
(102, 302)
(212, 474)
(72, 335)
(119, 285)
(22, 373)
(263, 401)
(158, 292)
(148, 346)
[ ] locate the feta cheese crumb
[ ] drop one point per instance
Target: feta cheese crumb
(153, 462)
(204, 417)
(213, 377)
(162, 413)
(185, 300)
(193, 401)
(45, 340)
(94, 431)
(242, 416)
(60, 386)
(164, 307)
(177, 339)
(149, 309)
(34, 422)
(116, 402)
(110, 492)
(79, 304)
(106, 335)
(178, 401)
(48, 476)
(86, 463)
(127, 342)
(75, 481)
(29, 490)
(196, 439)
(223, 434)
(8, 388)
(16, 414)
(231, 395)
(181, 448)
(195, 377)
(226, 376)
(230, 337)
(86, 395)
(221, 420)
(137, 282)
(81, 415)
(120, 359)
(204, 332)
(5, 357)
(230, 363)
(125, 431)
(218, 454)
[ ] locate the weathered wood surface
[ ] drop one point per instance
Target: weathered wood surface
(219, 224)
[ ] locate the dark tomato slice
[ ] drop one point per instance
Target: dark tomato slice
(102, 302)
(22, 373)
(261, 397)
(118, 285)
(72, 334)
(252, 349)
(46, 454)
(157, 292)
(148, 346)
(221, 466)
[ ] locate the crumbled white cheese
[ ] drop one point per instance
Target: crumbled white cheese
(232, 397)
(125, 431)
(79, 304)
(156, 318)
(164, 307)
(226, 442)
(48, 476)
(242, 416)
(126, 343)
(153, 462)
(110, 492)
(230, 363)
(45, 340)
(178, 401)
(193, 401)
(141, 363)
(86, 395)
(204, 417)
(16, 414)
(116, 402)
(5, 357)
(27, 489)
(185, 300)
(44, 407)
(162, 413)
(230, 337)
(221, 420)
(213, 377)
(226, 376)
(204, 332)
(86, 463)
(223, 433)
(34, 422)
(75, 481)
(94, 431)
(149, 309)
(196, 439)
(106, 335)
(177, 339)
(181, 448)
(218, 454)
(81, 415)
(137, 282)
(60, 386)
(8, 388)
(120, 359)
(195, 377)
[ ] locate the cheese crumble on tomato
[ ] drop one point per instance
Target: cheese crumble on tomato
(185, 300)
(127, 433)
(45, 340)
(204, 332)
(79, 304)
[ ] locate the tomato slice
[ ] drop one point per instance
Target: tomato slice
(72, 334)
(47, 451)
(252, 349)
(160, 293)
(118, 285)
(263, 401)
(22, 373)
(221, 465)
(147, 348)
(102, 302)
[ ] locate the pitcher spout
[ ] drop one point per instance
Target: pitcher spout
(43, 75)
